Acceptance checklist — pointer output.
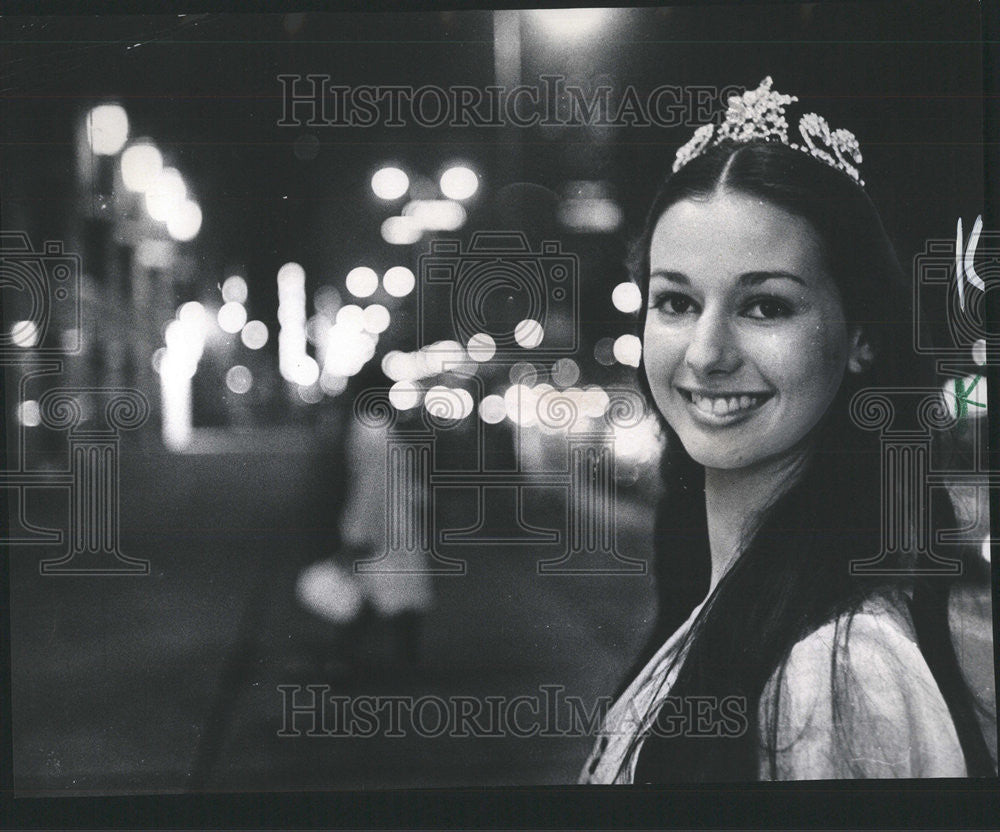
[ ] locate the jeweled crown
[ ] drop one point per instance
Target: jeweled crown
(760, 115)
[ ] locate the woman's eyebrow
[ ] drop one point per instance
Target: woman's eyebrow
(746, 279)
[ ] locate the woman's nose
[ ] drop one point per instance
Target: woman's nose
(713, 347)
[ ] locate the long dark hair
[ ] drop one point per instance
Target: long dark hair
(793, 574)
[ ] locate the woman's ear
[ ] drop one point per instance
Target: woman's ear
(860, 354)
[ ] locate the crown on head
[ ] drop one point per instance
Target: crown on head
(760, 115)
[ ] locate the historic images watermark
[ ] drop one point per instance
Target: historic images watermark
(317, 100)
(961, 271)
(317, 711)
(34, 349)
(457, 283)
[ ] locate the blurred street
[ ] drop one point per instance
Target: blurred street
(135, 682)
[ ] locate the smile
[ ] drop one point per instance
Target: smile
(726, 407)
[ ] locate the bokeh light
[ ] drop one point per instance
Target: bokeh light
(604, 351)
(239, 379)
(184, 223)
(24, 333)
(401, 231)
(529, 333)
(165, 195)
(481, 347)
(234, 288)
(232, 316)
(254, 335)
(107, 129)
(628, 350)
(398, 281)
(361, 281)
(565, 372)
(405, 395)
(390, 183)
(141, 164)
(28, 413)
(522, 373)
(377, 318)
(492, 409)
(459, 182)
(570, 24)
(626, 297)
(351, 316)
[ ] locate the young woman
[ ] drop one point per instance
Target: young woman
(772, 296)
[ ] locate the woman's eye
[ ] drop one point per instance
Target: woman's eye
(672, 303)
(767, 308)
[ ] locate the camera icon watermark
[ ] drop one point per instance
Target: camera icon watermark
(42, 305)
(498, 286)
(39, 287)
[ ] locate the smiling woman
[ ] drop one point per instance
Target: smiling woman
(771, 296)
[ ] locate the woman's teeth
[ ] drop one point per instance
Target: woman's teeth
(720, 406)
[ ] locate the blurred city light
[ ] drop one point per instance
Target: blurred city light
(141, 164)
(443, 356)
(529, 333)
(492, 409)
(569, 24)
(565, 372)
(361, 281)
(107, 129)
(626, 297)
(398, 281)
(185, 222)
(376, 318)
(459, 182)
(165, 195)
(594, 401)
(175, 399)
(24, 333)
(28, 413)
(522, 373)
(291, 276)
(310, 393)
(254, 335)
(292, 324)
(332, 385)
(157, 358)
(405, 395)
(604, 351)
(979, 352)
(234, 288)
(239, 379)
(232, 316)
(481, 347)
(436, 214)
(195, 319)
(520, 403)
(401, 231)
(985, 550)
(638, 443)
(628, 350)
(600, 216)
(327, 301)
(351, 316)
(447, 403)
(304, 371)
(390, 183)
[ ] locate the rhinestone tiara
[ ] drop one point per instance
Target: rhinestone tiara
(760, 115)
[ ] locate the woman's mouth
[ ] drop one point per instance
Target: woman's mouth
(724, 406)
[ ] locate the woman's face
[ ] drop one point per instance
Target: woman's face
(745, 343)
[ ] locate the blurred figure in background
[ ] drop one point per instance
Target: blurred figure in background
(396, 594)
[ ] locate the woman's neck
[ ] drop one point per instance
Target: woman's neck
(735, 500)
